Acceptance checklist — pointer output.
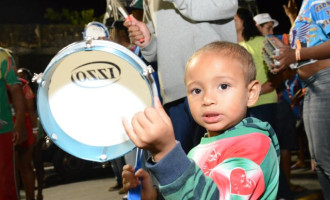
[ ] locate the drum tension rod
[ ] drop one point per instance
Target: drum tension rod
(89, 42)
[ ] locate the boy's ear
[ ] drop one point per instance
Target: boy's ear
(253, 92)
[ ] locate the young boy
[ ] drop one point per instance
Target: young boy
(237, 158)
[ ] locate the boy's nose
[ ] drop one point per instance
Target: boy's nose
(208, 98)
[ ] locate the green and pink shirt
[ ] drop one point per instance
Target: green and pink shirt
(241, 163)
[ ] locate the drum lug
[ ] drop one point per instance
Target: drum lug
(148, 71)
(37, 77)
(54, 136)
(89, 42)
(103, 157)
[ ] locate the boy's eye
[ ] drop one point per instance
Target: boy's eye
(223, 86)
(196, 91)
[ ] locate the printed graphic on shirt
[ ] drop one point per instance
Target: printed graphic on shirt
(233, 164)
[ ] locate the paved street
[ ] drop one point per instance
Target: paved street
(96, 189)
(93, 188)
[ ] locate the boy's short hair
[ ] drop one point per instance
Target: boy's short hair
(231, 50)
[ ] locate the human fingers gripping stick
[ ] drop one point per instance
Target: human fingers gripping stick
(139, 33)
(132, 179)
(129, 179)
(148, 191)
(152, 130)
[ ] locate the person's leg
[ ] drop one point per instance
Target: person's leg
(117, 167)
(317, 125)
(302, 146)
(7, 171)
(286, 163)
(39, 167)
(285, 129)
(24, 163)
(130, 158)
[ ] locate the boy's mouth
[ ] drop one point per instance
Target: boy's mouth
(211, 118)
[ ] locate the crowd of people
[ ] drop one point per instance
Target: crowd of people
(225, 122)
(283, 89)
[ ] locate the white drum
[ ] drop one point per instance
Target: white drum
(85, 91)
(96, 30)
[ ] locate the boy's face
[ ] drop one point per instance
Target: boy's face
(217, 91)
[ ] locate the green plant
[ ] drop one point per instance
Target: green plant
(71, 17)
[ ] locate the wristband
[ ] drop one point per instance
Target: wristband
(298, 48)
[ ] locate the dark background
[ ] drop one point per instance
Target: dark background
(32, 11)
(276, 11)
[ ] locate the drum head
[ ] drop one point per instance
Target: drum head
(96, 30)
(85, 92)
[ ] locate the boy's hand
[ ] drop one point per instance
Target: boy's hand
(138, 32)
(131, 180)
(152, 130)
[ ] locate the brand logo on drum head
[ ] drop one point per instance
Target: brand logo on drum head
(96, 74)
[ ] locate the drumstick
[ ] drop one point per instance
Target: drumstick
(133, 3)
(123, 12)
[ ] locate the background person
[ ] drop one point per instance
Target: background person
(38, 164)
(285, 121)
(265, 23)
(11, 133)
(265, 109)
(309, 54)
(24, 151)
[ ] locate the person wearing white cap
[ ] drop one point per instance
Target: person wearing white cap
(265, 23)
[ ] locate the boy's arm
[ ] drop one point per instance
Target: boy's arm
(181, 178)
(227, 168)
(234, 177)
(19, 132)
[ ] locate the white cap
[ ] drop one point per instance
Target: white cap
(263, 18)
